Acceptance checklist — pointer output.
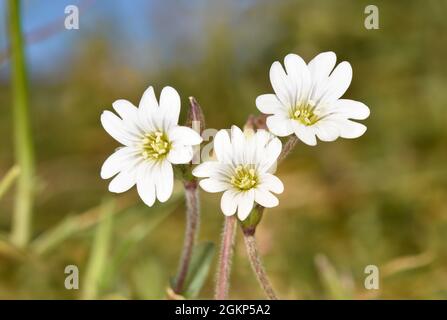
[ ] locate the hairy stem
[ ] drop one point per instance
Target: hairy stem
(21, 222)
(288, 147)
(192, 227)
(256, 264)
(226, 255)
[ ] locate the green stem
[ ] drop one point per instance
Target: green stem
(225, 259)
(258, 268)
(192, 228)
(21, 222)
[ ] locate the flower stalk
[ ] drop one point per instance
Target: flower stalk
(24, 153)
(195, 117)
(192, 228)
(225, 258)
(258, 268)
(288, 147)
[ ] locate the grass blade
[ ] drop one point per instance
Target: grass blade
(199, 268)
(24, 153)
(8, 180)
(99, 253)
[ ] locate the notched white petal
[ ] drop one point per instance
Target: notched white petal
(170, 105)
(222, 146)
(351, 109)
(265, 198)
(206, 169)
(280, 125)
(115, 162)
(245, 204)
(184, 135)
(180, 154)
(351, 130)
(272, 183)
(228, 202)
(148, 100)
(164, 180)
(269, 104)
(123, 182)
(212, 185)
(306, 134)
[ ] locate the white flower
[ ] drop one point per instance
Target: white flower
(152, 143)
(307, 100)
(243, 170)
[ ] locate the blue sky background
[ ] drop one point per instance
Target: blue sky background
(130, 26)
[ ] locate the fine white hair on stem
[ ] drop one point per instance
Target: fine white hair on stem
(225, 258)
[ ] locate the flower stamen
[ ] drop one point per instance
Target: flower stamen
(244, 178)
(304, 113)
(155, 145)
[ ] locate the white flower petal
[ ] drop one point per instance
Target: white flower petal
(148, 100)
(306, 134)
(115, 162)
(213, 185)
(326, 130)
(206, 169)
(265, 198)
(146, 184)
(123, 181)
(269, 104)
(351, 109)
(125, 109)
(184, 135)
(129, 113)
(280, 125)
(170, 106)
(164, 180)
(245, 204)
(222, 146)
(228, 202)
(281, 84)
(180, 154)
(350, 129)
(338, 82)
(115, 127)
(271, 154)
(321, 66)
(271, 183)
(299, 74)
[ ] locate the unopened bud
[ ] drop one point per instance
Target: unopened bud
(195, 116)
(251, 222)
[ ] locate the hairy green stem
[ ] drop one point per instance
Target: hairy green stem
(24, 153)
(288, 147)
(192, 228)
(258, 268)
(225, 259)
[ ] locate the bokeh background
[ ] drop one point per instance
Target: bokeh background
(379, 200)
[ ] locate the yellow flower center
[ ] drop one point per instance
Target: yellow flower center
(244, 178)
(304, 113)
(155, 145)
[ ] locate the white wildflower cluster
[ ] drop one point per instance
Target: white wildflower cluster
(306, 102)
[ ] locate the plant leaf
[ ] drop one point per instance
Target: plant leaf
(198, 269)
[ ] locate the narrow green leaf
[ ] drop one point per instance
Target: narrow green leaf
(8, 180)
(198, 269)
(99, 253)
(138, 233)
(335, 286)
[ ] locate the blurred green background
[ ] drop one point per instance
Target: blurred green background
(379, 199)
